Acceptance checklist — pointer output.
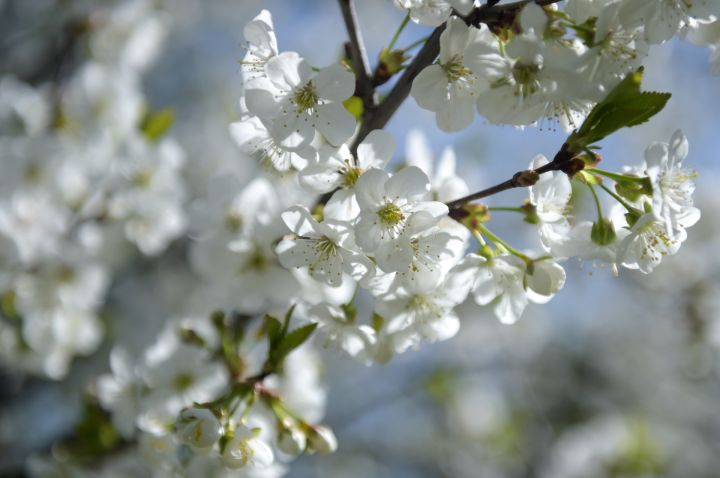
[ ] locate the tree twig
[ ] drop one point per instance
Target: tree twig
(358, 56)
(565, 161)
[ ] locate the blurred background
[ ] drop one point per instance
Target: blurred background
(616, 377)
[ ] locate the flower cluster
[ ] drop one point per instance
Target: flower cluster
(556, 67)
(384, 235)
(84, 171)
(183, 404)
(371, 254)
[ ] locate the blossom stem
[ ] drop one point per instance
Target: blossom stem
(415, 43)
(618, 198)
(562, 158)
(498, 240)
(616, 177)
(507, 209)
(598, 206)
(479, 237)
(358, 55)
(398, 32)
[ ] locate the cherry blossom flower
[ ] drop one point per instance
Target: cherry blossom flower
(386, 205)
(450, 87)
(357, 340)
(246, 449)
(338, 171)
(327, 249)
(300, 102)
(671, 183)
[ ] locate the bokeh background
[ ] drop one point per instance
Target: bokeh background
(623, 367)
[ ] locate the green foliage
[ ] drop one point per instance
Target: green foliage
(293, 340)
(282, 341)
(624, 106)
(94, 435)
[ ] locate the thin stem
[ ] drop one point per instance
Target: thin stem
(507, 209)
(498, 240)
(416, 43)
(398, 31)
(514, 182)
(615, 176)
(598, 206)
(479, 238)
(618, 198)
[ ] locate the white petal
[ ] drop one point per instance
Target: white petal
(293, 131)
(370, 188)
(260, 98)
(334, 83)
(335, 123)
(300, 221)
(288, 70)
(453, 39)
(407, 182)
(376, 150)
(678, 147)
(320, 178)
(429, 88)
(547, 279)
(342, 206)
(533, 18)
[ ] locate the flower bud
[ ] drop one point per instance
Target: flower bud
(526, 178)
(530, 210)
(292, 441)
(322, 440)
(198, 427)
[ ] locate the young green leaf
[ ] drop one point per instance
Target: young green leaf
(624, 106)
(293, 340)
(274, 331)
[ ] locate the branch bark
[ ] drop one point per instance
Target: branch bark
(358, 55)
(565, 160)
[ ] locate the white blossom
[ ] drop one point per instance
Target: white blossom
(357, 340)
(300, 102)
(450, 87)
(246, 449)
(327, 249)
(198, 427)
(387, 204)
(671, 183)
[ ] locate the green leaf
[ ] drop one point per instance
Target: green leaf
(286, 320)
(624, 106)
(155, 124)
(293, 340)
(273, 327)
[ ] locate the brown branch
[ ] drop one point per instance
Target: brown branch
(358, 56)
(565, 161)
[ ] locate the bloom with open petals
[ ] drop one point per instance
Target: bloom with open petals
(300, 102)
(327, 249)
